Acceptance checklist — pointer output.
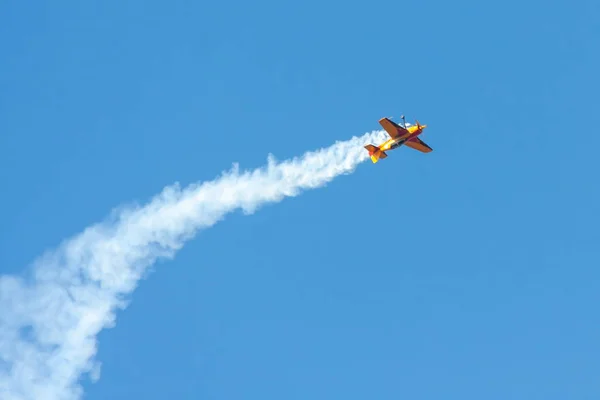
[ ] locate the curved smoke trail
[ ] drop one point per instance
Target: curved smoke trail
(49, 321)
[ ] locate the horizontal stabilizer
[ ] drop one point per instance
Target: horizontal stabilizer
(372, 149)
(375, 153)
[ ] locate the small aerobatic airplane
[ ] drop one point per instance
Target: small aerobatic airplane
(399, 135)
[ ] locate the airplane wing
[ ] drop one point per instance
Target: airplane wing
(392, 128)
(418, 144)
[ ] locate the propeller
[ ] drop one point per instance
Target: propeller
(420, 127)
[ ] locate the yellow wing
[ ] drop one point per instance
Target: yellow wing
(392, 128)
(418, 144)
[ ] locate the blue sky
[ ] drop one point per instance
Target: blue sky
(468, 272)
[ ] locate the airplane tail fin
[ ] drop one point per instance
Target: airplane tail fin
(375, 153)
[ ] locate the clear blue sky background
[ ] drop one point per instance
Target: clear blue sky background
(467, 273)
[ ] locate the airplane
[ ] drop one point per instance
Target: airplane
(399, 135)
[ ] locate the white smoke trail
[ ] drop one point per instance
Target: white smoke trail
(49, 322)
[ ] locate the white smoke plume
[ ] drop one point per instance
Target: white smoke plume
(49, 319)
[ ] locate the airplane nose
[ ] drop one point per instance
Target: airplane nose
(423, 126)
